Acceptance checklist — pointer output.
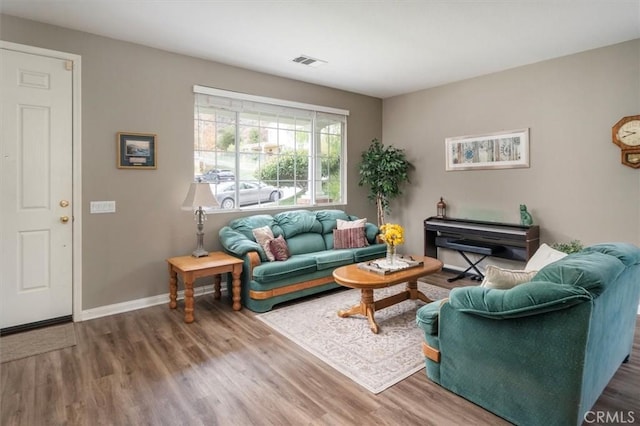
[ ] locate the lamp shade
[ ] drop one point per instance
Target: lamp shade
(200, 195)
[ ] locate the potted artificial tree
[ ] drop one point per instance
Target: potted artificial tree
(383, 169)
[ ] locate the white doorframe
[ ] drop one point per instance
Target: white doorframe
(77, 162)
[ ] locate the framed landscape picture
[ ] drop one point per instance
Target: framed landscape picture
(501, 150)
(136, 150)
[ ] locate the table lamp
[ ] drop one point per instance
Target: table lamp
(199, 199)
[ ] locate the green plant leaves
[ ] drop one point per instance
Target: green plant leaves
(572, 246)
(383, 169)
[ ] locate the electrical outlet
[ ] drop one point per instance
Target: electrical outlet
(103, 206)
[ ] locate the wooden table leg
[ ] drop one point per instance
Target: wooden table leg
(414, 293)
(216, 286)
(235, 287)
(173, 287)
(366, 307)
(188, 298)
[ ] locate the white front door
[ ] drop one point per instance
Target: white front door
(36, 177)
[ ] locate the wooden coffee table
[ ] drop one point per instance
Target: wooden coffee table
(353, 277)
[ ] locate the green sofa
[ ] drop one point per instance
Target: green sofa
(309, 237)
(542, 352)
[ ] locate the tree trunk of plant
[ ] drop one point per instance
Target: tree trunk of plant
(380, 210)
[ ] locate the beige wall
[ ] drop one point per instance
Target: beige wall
(576, 187)
(128, 87)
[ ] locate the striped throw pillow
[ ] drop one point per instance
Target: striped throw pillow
(349, 238)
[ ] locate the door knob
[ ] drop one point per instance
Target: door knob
(64, 203)
(64, 219)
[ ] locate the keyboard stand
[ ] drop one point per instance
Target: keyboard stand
(462, 246)
(472, 265)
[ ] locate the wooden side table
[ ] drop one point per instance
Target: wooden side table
(190, 268)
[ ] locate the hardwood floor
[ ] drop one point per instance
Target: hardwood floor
(148, 367)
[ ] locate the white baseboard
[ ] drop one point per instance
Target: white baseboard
(132, 305)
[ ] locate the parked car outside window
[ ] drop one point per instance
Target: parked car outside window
(217, 175)
(250, 193)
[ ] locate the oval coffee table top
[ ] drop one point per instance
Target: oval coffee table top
(354, 277)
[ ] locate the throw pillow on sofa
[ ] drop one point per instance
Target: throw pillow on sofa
(504, 279)
(263, 236)
(349, 238)
(542, 257)
(346, 224)
(279, 248)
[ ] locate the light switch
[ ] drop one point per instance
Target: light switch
(103, 206)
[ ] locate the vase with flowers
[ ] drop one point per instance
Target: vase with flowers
(393, 235)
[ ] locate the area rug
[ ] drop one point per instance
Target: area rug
(34, 342)
(374, 361)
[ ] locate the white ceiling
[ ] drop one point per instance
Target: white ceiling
(379, 48)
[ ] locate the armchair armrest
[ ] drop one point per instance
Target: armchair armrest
(371, 231)
(238, 244)
(427, 317)
(526, 299)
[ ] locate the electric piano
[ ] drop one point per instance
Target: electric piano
(503, 240)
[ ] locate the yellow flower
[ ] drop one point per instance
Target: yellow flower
(392, 234)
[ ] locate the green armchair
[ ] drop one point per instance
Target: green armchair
(542, 352)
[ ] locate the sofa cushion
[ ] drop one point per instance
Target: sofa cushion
(500, 278)
(306, 243)
(590, 270)
(328, 219)
(246, 225)
(278, 247)
(374, 251)
(329, 259)
(526, 299)
(349, 238)
(627, 253)
(275, 271)
(295, 222)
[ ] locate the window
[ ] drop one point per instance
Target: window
(260, 153)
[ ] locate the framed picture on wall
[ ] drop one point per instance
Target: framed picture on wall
(136, 150)
(501, 150)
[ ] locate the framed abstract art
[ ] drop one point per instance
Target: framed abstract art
(501, 150)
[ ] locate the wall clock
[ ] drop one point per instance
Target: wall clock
(626, 134)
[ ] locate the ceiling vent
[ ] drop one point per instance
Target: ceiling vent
(308, 61)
